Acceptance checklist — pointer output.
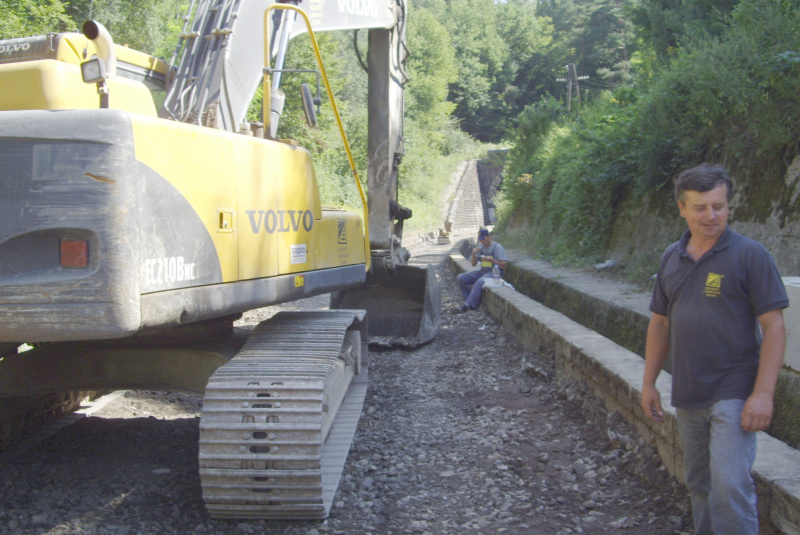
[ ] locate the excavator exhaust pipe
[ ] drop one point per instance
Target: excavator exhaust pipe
(104, 44)
(404, 306)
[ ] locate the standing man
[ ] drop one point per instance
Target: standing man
(489, 254)
(717, 312)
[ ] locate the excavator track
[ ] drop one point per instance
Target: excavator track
(278, 418)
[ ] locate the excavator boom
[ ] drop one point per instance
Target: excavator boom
(217, 72)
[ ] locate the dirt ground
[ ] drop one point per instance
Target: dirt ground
(470, 433)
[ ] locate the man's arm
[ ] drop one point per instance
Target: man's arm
(474, 259)
(757, 411)
(656, 351)
(501, 253)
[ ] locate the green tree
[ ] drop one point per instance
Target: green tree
(535, 60)
(730, 99)
(24, 18)
(151, 26)
(611, 41)
(665, 24)
(501, 49)
(431, 68)
(597, 35)
(482, 57)
(533, 126)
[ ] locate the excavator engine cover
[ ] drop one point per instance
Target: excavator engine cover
(403, 307)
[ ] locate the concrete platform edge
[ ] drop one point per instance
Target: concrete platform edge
(614, 374)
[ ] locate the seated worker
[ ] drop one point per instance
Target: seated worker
(489, 254)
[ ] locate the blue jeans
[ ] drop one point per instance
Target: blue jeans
(717, 457)
(471, 284)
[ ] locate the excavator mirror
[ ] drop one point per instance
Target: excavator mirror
(308, 106)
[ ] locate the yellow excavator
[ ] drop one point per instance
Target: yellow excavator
(133, 237)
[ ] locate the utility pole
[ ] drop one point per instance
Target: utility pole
(572, 76)
(622, 38)
(569, 88)
(575, 77)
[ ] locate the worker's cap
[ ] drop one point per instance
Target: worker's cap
(483, 233)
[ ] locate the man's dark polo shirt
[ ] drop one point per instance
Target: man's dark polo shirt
(713, 306)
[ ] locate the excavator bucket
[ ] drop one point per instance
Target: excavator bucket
(404, 308)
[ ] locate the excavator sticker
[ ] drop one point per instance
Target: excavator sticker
(167, 270)
(14, 47)
(299, 254)
(341, 231)
(359, 7)
(280, 220)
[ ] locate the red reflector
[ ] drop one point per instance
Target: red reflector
(74, 253)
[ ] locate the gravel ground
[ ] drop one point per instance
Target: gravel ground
(470, 433)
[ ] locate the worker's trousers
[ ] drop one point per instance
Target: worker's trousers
(718, 456)
(471, 285)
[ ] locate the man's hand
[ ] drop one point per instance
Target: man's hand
(651, 404)
(656, 349)
(757, 412)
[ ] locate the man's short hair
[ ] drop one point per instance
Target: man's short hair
(701, 179)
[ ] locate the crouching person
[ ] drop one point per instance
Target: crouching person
(488, 254)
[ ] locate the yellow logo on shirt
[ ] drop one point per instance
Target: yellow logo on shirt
(713, 285)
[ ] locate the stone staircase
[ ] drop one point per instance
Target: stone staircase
(466, 210)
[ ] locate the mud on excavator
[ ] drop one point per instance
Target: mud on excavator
(132, 239)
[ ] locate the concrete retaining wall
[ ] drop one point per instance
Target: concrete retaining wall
(619, 311)
(614, 374)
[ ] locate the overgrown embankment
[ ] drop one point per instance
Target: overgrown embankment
(596, 183)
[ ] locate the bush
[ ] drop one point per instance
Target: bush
(730, 99)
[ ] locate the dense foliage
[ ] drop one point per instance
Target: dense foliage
(20, 18)
(663, 85)
(720, 87)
